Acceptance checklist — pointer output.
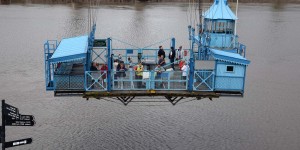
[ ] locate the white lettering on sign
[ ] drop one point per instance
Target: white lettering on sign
(11, 109)
(20, 142)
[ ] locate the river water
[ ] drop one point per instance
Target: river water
(268, 117)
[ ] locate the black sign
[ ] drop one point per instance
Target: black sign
(10, 111)
(10, 108)
(11, 117)
(18, 142)
(100, 43)
(19, 122)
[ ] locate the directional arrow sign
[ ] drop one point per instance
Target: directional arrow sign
(19, 122)
(18, 142)
(9, 108)
(10, 111)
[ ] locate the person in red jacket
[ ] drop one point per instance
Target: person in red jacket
(103, 71)
(181, 64)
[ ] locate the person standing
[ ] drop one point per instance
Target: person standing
(179, 53)
(139, 74)
(94, 74)
(121, 74)
(161, 61)
(103, 72)
(115, 65)
(159, 69)
(161, 52)
(184, 70)
(172, 57)
(120, 58)
(94, 67)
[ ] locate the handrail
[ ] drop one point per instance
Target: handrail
(130, 80)
(216, 38)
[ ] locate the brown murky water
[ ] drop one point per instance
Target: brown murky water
(268, 117)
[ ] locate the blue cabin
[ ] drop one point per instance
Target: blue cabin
(230, 71)
(217, 46)
(90, 67)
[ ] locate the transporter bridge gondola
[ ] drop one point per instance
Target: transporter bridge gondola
(216, 64)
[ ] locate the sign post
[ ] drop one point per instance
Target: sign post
(11, 117)
(3, 127)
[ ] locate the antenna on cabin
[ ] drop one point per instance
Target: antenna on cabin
(236, 13)
(200, 16)
(89, 17)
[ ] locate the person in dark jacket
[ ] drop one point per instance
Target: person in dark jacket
(161, 61)
(172, 57)
(94, 67)
(161, 52)
(121, 71)
(94, 73)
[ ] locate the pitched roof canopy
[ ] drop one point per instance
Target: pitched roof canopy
(219, 10)
(229, 57)
(71, 49)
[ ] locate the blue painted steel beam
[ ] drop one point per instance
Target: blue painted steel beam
(191, 78)
(214, 84)
(244, 80)
(109, 61)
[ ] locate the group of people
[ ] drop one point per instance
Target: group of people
(119, 68)
(103, 71)
(174, 54)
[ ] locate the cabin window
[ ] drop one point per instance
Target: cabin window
(220, 27)
(208, 26)
(230, 27)
(229, 68)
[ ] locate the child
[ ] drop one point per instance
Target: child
(184, 70)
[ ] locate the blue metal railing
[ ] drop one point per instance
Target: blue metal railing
(49, 48)
(168, 80)
(130, 80)
(148, 53)
(95, 81)
(224, 41)
(204, 80)
(68, 82)
(242, 49)
(230, 83)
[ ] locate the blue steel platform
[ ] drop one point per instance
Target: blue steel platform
(216, 64)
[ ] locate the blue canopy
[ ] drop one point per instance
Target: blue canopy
(219, 10)
(71, 49)
(229, 57)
